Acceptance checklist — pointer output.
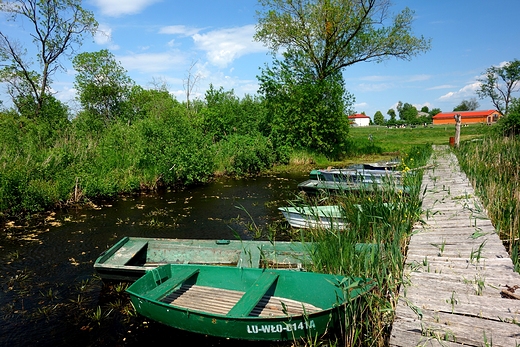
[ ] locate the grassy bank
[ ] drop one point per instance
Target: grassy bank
(378, 143)
(493, 165)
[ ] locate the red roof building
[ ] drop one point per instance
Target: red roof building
(468, 117)
(359, 120)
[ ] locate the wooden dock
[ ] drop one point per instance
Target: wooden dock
(456, 269)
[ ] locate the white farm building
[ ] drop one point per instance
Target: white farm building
(359, 120)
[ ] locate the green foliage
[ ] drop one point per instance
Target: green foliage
(240, 155)
(102, 84)
(305, 112)
(379, 119)
(498, 84)
(225, 114)
(407, 112)
(151, 103)
(334, 34)
(55, 27)
(434, 111)
(510, 124)
(392, 114)
(467, 105)
(48, 160)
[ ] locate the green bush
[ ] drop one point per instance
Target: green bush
(242, 155)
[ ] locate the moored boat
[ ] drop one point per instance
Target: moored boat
(317, 186)
(303, 217)
(359, 175)
(132, 257)
(245, 303)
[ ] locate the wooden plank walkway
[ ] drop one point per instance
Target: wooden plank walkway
(455, 270)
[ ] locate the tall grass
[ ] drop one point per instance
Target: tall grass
(493, 166)
(372, 247)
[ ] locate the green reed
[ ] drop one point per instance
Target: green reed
(493, 166)
(373, 247)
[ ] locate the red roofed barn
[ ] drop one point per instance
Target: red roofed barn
(468, 117)
(359, 120)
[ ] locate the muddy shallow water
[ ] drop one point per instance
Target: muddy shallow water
(49, 293)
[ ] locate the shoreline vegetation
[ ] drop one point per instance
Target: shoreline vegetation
(493, 166)
(47, 164)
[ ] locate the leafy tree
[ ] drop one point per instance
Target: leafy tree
(221, 113)
(392, 114)
(434, 111)
(379, 119)
(407, 112)
(150, 103)
(425, 109)
(56, 27)
(305, 112)
(102, 84)
(467, 105)
(499, 83)
(337, 33)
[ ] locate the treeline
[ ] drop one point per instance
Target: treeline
(49, 160)
(151, 141)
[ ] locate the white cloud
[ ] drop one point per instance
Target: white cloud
(116, 8)
(103, 37)
(420, 106)
(448, 96)
(360, 105)
(444, 86)
(225, 45)
(152, 62)
(179, 30)
(374, 87)
(466, 91)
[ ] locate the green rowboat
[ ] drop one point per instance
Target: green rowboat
(244, 303)
(132, 257)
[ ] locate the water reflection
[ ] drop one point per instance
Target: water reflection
(46, 273)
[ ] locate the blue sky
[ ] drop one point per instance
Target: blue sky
(161, 41)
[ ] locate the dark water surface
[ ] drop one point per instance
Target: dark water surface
(48, 291)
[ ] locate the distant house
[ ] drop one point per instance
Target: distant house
(468, 117)
(359, 120)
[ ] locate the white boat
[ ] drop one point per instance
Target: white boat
(314, 217)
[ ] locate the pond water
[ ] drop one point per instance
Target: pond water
(49, 292)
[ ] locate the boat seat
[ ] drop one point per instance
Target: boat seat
(123, 255)
(177, 278)
(253, 295)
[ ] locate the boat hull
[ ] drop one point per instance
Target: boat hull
(314, 217)
(131, 257)
(342, 187)
(217, 314)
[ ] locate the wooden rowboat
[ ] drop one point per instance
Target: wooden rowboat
(314, 217)
(132, 257)
(244, 303)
